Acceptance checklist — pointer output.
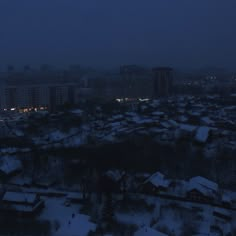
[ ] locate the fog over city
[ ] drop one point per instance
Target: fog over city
(109, 33)
(117, 118)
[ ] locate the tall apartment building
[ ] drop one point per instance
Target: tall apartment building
(162, 81)
(136, 81)
(9, 97)
(59, 95)
(42, 88)
(24, 96)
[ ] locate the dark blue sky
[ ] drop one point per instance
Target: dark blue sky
(107, 33)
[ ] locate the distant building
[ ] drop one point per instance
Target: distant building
(135, 80)
(59, 96)
(10, 97)
(27, 68)
(43, 96)
(162, 81)
(46, 68)
(10, 68)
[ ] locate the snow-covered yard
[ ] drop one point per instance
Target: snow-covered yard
(66, 220)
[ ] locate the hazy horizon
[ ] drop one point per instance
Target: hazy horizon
(106, 34)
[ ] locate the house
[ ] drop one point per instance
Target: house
(155, 184)
(9, 166)
(141, 177)
(201, 189)
(20, 181)
(222, 213)
(24, 204)
(113, 180)
(226, 199)
(207, 121)
(185, 131)
(202, 134)
(77, 112)
(177, 187)
(44, 182)
(147, 231)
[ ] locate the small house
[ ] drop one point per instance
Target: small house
(155, 184)
(201, 189)
(222, 213)
(9, 166)
(202, 134)
(113, 180)
(20, 203)
(226, 199)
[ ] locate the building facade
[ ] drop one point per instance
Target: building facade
(162, 81)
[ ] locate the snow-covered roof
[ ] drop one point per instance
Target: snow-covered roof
(205, 182)
(115, 175)
(9, 165)
(207, 121)
(115, 124)
(158, 179)
(226, 197)
(20, 197)
(147, 231)
(141, 120)
(117, 117)
(230, 108)
(202, 134)
(158, 113)
(195, 113)
(187, 127)
(222, 211)
(183, 118)
(173, 123)
(165, 124)
(20, 180)
(77, 112)
(233, 95)
(56, 135)
(109, 138)
(203, 185)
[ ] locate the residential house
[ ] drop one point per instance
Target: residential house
(222, 213)
(155, 184)
(9, 166)
(201, 189)
(21, 203)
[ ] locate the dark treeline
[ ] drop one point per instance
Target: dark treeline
(179, 161)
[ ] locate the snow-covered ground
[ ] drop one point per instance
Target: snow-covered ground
(66, 220)
(173, 217)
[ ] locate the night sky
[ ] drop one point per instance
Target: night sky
(106, 33)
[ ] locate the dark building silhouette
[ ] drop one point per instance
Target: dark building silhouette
(46, 68)
(27, 68)
(10, 69)
(11, 97)
(162, 81)
(135, 80)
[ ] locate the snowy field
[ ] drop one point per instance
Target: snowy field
(66, 220)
